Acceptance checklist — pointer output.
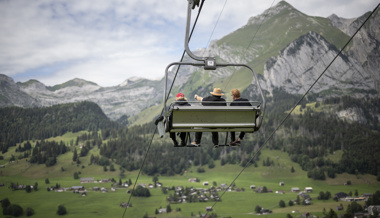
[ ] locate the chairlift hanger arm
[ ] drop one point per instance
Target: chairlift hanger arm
(191, 6)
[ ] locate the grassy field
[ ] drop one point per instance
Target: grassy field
(233, 204)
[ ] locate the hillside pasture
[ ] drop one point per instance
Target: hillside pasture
(233, 203)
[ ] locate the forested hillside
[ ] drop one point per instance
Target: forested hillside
(309, 135)
(19, 124)
(315, 130)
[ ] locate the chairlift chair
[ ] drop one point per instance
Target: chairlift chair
(198, 118)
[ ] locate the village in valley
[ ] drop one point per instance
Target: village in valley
(210, 192)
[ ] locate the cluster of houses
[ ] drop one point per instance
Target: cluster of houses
(158, 184)
(345, 197)
(81, 189)
(92, 180)
(188, 195)
(221, 187)
(102, 189)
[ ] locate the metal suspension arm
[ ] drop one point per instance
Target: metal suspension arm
(190, 5)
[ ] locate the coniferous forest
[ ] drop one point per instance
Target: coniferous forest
(309, 136)
(20, 124)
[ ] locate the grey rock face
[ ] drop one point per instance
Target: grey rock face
(299, 64)
(128, 98)
(366, 44)
(12, 95)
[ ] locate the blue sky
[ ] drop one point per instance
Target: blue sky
(109, 41)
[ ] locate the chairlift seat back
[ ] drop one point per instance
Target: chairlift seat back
(214, 118)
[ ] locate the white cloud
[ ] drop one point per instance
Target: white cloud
(109, 41)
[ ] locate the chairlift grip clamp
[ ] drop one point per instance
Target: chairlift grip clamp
(194, 3)
(210, 63)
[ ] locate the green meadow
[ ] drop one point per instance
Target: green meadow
(232, 204)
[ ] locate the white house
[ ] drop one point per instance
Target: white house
(87, 180)
(373, 208)
(308, 189)
(295, 189)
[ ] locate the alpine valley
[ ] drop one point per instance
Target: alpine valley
(79, 133)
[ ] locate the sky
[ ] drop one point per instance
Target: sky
(109, 41)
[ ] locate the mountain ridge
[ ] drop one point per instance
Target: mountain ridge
(277, 29)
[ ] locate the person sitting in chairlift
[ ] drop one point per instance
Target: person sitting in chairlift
(238, 101)
(180, 101)
(216, 95)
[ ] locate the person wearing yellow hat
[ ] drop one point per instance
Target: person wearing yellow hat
(214, 100)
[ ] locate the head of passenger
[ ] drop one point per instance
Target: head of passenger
(217, 92)
(235, 93)
(180, 96)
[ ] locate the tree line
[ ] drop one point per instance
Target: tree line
(20, 124)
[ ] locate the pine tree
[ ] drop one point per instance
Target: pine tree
(168, 209)
(61, 210)
(75, 156)
(76, 175)
(258, 209)
(5, 203)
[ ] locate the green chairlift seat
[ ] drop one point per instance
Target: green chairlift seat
(214, 118)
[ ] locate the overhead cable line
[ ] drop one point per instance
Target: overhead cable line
(155, 130)
(287, 116)
(258, 29)
(184, 51)
(254, 36)
(217, 21)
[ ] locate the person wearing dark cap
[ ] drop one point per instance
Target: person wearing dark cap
(180, 101)
(214, 100)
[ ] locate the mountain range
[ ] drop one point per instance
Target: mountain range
(287, 48)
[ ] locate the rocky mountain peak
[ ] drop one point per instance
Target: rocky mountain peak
(5, 78)
(341, 23)
(32, 85)
(75, 83)
(281, 7)
(300, 63)
(131, 81)
(12, 95)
